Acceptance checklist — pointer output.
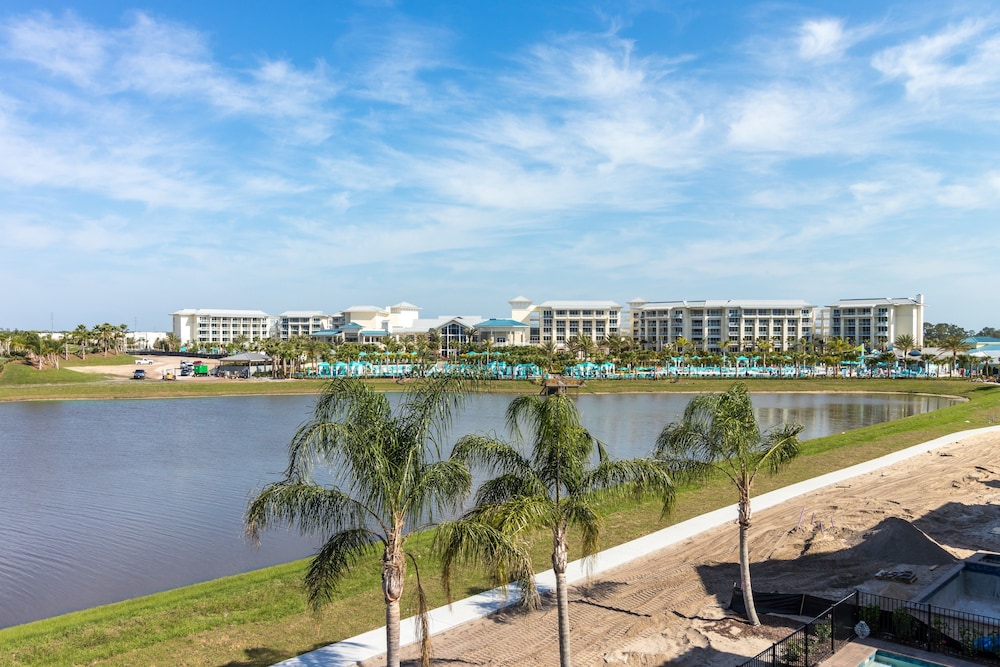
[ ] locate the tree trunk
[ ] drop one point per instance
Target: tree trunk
(744, 522)
(559, 558)
(393, 576)
(392, 633)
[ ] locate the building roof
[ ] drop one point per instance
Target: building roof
(728, 303)
(426, 324)
(364, 309)
(220, 312)
(303, 313)
(404, 305)
(579, 304)
(878, 301)
(493, 323)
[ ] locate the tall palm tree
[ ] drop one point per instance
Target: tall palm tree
(904, 343)
(81, 335)
(388, 479)
(718, 432)
(956, 345)
(555, 486)
(549, 350)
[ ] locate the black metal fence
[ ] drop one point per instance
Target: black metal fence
(813, 642)
(946, 632)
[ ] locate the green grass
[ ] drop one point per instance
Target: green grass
(16, 375)
(260, 618)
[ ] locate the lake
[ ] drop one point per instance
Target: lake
(103, 501)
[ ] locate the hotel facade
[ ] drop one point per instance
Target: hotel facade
(710, 325)
(721, 325)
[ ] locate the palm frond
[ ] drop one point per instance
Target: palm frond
(313, 509)
(338, 555)
(634, 478)
(505, 557)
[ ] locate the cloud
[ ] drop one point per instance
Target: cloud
(66, 47)
(962, 58)
(821, 39)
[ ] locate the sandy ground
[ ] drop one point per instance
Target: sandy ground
(154, 371)
(671, 607)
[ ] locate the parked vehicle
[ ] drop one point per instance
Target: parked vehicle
(139, 374)
(201, 370)
(143, 362)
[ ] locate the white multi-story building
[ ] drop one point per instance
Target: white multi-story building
(559, 321)
(878, 322)
(711, 324)
(222, 327)
(293, 323)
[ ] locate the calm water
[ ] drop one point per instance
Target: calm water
(102, 501)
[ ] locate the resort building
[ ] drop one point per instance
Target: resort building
(503, 332)
(293, 323)
(878, 322)
(708, 325)
(559, 321)
(205, 325)
(714, 324)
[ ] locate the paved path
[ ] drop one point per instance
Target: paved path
(370, 644)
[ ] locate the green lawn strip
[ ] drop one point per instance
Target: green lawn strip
(17, 376)
(98, 360)
(261, 617)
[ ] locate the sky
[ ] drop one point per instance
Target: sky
(455, 155)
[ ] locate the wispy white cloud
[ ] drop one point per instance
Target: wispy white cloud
(962, 58)
(823, 38)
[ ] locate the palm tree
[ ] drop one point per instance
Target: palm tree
(764, 345)
(81, 335)
(549, 351)
(387, 478)
(719, 432)
(556, 486)
(956, 345)
(905, 343)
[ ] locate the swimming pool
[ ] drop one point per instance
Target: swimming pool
(882, 658)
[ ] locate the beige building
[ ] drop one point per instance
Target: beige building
(222, 327)
(559, 321)
(293, 323)
(737, 324)
(878, 322)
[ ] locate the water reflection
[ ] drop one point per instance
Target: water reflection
(107, 500)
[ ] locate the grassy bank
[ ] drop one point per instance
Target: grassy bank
(260, 618)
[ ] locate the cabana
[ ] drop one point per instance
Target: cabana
(248, 359)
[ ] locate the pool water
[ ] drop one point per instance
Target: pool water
(885, 659)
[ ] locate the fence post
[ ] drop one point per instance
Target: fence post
(930, 629)
(833, 628)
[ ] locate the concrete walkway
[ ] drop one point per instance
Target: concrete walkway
(442, 619)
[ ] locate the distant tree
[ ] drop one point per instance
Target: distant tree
(904, 343)
(989, 332)
(934, 334)
(956, 345)
(581, 345)
(549, 352)
(81, 336)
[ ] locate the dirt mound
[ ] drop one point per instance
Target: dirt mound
(894, 541)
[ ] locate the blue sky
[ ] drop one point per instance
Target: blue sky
(455, 155)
